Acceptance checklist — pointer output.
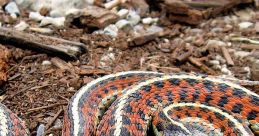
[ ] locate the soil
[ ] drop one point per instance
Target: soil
(32, 83)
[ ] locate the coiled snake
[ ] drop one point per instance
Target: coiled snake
(148, 103)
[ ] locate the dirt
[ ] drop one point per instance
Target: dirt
(32, 85)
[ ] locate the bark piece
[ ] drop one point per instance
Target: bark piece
(47, 44)
(227, 56)
(202, 66)
(195, 11)
(93, 16)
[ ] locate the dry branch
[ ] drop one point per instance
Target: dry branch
(42, 43)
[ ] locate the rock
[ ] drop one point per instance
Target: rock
(149, 20)
(123, 13)
(122, 24)
(246, 14)
(225, 70)
(46, 62)
(241, 54)
(12, 8)
(40, 130)
(21, 26)
(216, 43)
(36, 16)
(57, 22)
(245, 25)
(154, 29)
(133, 18)
(111, 30)
(214, 62)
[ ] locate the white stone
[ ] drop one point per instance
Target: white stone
(12, 8)
(226, 71)
(24, 3)
(46, 62)
(154, 29)
(40, 130)
(57, 22)
(245, 25)
(123, 13)
(147, 20)
(21, 26)
(241, 54)
(122, 24)
(36, 16)
(214, 62)
(111, 30)
(133, 18)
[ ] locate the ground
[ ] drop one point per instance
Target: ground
(36, 91)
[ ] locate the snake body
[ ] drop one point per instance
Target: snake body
(145, 103)
(148, 103)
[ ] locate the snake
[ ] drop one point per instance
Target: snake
(142, 103)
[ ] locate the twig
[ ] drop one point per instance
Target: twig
(23, 90)
(201, 66)
(64, 98)
(52, 121)
(45, 107)
(227, 56)
(25, 58)
(242, 39)
(250, 46)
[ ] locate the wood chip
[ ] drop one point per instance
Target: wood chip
(227, 56)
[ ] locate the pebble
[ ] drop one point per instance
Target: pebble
(36, 16)
(214, 62)
(46, 62)
(42, 30)
(154, 29)
(123, 13)
(40, 130)
(111, 30)
(216, 43)
(12, 8)
(225, 70)
(246, 14)
(257, 27)
(245, 25)
(220, 59)
(216, 30)
(133, 18)
(21, 26)
(122, 23)
(241, 54)
(57, 22)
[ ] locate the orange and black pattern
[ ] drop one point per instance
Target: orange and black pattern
(130, 103)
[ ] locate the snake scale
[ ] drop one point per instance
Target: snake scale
(148, 103)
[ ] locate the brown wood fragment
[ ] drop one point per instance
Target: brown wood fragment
(93, 16)
(4, 56)
(47, 44)
(45, 107)
(227, 56)
(60, 64)
(249, 46)
(93, 72)
(185, 56)
(255, 71)
(52, 120)
(195, 11)
(202, 66)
